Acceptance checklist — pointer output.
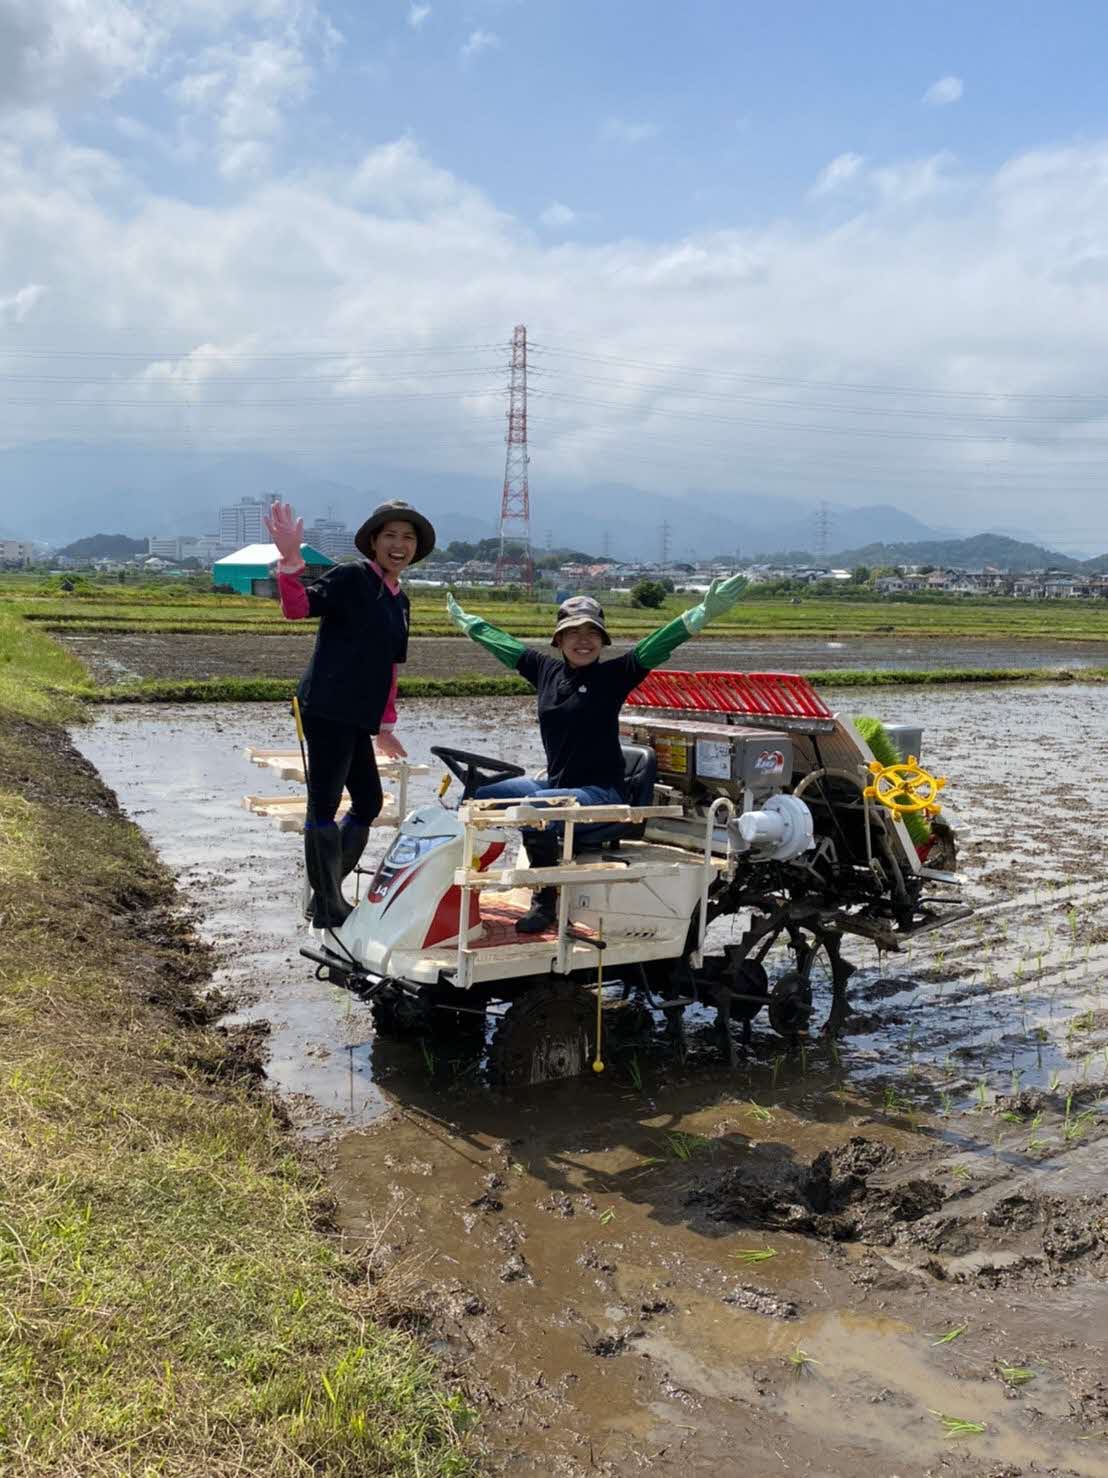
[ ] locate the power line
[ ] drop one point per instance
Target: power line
(842, 385)
(219, 356)
(792, 426)
(851, 410)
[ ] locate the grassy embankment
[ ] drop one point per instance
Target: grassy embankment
(172, 1301)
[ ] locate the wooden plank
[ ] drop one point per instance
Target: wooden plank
(522, 814)
(581, 872)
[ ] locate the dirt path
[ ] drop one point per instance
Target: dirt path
(579, 1253)
(118, 656)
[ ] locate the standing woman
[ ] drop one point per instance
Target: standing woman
(348, 692)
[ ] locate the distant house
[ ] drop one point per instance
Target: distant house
(249, 571)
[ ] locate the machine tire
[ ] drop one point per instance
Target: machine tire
(790, 1004)
(549, 1032)
(407, 1017)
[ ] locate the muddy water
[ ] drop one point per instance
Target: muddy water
(596, 1250)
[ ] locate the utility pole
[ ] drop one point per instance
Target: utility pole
(514, 560)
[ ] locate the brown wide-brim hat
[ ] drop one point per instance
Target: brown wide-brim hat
(399, 512)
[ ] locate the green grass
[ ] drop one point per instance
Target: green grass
(277, 689)
(116, 607)
(34, 671)
(173, 1301)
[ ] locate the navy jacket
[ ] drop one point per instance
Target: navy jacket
(363, 630)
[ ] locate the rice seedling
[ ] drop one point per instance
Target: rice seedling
(800, 1360)
(955, 1426)
(634, 1071)
(607, 1216)
(960, 1171)
(752, 1255)
(1076, 1127)
(759, 1112)
(951, 1335)
(683, 1146)
(1015, 1375)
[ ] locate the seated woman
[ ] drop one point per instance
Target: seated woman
(347, 696)
(579, 701)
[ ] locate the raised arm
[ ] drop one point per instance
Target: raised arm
(504, 648)
(287, 532)
(660, 645)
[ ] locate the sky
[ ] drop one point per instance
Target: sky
(856, 253)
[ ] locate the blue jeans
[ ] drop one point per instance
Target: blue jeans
(525, 788)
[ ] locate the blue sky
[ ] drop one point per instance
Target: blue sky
(646, 126)
(857, 252)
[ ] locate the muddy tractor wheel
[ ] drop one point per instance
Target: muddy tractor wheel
(549, 1032)
(790, 1004)
(404, 1016)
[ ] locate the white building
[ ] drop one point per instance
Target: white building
(15, 552)
(331, 537)
(241, 523)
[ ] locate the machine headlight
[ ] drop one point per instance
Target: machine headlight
(408, 849)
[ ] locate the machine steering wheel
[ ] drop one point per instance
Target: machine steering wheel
(475, 770)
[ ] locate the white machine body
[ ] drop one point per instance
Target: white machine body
(413, 903)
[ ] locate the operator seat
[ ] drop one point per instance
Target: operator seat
(640, 768)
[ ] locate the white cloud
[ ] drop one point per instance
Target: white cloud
(947, 90)
(53, 50)
(20, 305)
(842, 168)
(972, 288)
(556, 214)
(621, 131)
(242, 88)
(476, 43)
(417, 14)
(915, 180)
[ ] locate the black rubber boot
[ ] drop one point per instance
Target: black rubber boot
(543, 913)
(323, 857)
(354, 838)
(543, 850)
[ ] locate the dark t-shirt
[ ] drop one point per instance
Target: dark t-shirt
(363, 630)
(579, 715)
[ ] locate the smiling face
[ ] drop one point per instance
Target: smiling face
(581, 645)
(395, 545)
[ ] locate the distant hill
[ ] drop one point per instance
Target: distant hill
(963, 554)
(104, 546)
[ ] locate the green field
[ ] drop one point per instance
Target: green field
(119, 609)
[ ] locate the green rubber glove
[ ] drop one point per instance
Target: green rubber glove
(500, 644)
(720, 597)
(462, 621)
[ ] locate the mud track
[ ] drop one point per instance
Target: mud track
(803, 1267)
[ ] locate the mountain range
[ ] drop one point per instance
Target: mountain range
(58, 492)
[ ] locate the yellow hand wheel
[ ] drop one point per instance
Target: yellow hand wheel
(905, 788)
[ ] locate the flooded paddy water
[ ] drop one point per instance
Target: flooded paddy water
(821, 1264)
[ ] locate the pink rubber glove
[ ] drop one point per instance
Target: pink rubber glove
(287, 532)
